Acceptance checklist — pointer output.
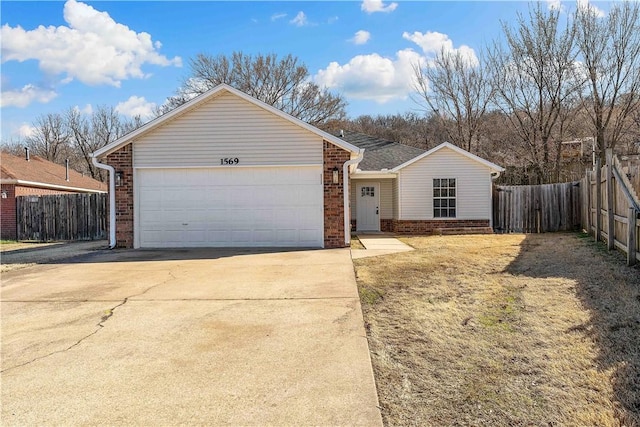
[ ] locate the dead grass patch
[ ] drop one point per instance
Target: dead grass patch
(356, 243)
(504, 330)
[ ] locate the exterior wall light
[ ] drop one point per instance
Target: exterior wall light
(119, 179)
(4, 194)
(336, 175)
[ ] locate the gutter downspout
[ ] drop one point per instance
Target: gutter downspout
(494, 176)
(112, 199)
(345, 182)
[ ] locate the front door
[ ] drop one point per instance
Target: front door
(368, 207)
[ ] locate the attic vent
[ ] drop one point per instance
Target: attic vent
(341, 133)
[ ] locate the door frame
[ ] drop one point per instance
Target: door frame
(359, 207)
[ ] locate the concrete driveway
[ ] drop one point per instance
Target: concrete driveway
(186, 337)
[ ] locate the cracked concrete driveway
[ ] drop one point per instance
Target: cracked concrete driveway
(186, 337)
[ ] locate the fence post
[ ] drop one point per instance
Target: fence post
(598, 200)
(587, 179)
(610, 210)
(631, 236)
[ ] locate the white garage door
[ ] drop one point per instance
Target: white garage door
(230, 207)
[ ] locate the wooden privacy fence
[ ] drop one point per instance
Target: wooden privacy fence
(536, 208)
(611, 208)
(62, 217)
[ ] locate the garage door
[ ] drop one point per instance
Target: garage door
(230, 207)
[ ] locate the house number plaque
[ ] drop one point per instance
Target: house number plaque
(229, 161)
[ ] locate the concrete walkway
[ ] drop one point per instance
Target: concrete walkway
(186, 337)
(378, 244)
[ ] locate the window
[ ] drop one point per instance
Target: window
(444, 198)
(367, 192)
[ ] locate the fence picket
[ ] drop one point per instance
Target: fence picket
(62, 217)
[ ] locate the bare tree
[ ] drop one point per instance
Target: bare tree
(610, 51)
(50, 139)
(281, 82)
(457, 90)
(88, 133)
(534, 76)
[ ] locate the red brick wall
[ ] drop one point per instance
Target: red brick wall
(429, 226)
(8, 213)
(122, 161)
(333, 196)
(32, 191)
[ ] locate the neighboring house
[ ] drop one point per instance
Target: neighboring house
(33, 175)
(227, 170)
(402, 189)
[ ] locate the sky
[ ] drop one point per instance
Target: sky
(57, 55)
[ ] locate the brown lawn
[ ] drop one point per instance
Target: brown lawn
(504, 330)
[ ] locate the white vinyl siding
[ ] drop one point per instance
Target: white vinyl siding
(227, 127)
(473, 181)
(386, 197)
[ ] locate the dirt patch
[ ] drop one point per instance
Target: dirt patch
(25, 254)
(504, 330)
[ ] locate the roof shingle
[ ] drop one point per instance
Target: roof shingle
(39, 170)
(379, 153)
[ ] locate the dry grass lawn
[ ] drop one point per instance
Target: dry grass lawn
(504, 330)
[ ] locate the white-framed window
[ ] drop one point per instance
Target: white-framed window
(444, 198)
(367, 192)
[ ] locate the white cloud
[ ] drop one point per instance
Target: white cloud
(372, 6)
(93, 48)
(361, 37)
(433, 43)
(136, 106)
(586, 5)
(332, 20)
(372, 76)
(25, 130)
(88, 109)
(277, 16)
(23, 97)
(300, 20)
(555, 5)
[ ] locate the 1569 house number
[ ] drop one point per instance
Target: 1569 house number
(229, 161)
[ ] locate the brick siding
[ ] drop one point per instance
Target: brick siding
(334, 157)
(426, 226)
(430, 226)
(122, 161)
(33, 191)
(8, 227)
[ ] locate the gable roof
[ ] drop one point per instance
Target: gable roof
(487, 163)
(201, 99)
(38, 172)
(380, 153)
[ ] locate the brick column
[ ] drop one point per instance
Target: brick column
(122, 161)
(334, 157)
(8, 225)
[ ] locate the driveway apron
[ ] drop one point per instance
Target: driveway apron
(187, 337)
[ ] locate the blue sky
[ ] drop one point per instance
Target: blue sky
(133, 55)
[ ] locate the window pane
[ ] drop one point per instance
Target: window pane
(452, 183)
(436, 183)
(452, 192)
(436, 213)
(436, 192)
(452, 203)
(436, 203)
(452, 213)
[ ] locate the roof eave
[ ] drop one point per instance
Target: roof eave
(35, 184)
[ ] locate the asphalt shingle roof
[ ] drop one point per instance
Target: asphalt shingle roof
(379, 153)
(42, 171)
